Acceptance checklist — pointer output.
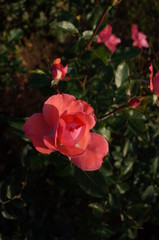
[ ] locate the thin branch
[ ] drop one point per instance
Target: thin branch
(97, 27)
(112, 112)
(108, 7)
(84, 82)
(57, 89)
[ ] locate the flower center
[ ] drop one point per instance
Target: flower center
(70, 130)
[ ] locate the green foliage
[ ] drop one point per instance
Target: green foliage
(125, 54)
(93, 183)
(67, 26)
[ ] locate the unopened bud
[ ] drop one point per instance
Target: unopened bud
(58, 70)
(134, 102)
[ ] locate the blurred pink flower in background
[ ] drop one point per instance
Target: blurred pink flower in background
(64, 125)
(140, 39)
(154, 82)
(58, 70)
(109, 39)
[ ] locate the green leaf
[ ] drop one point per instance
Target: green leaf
(8, 215)
(122, 187)
(9, 192)
(132, 233)
(19, 203)
(93, 183)
(35, 163)
(127, 169)
(121, 74)
(114, 201)
(137, 211)
(38, 71)
(105, 233)
(154, 167)
(86, 35)
(17, 126)
(125, 54)
(136, 114)
(108, 72)
(100, 53)
(138, 127)
(39, 80)
(126, 148)
(15, 34)
(105, 132)
(67, 26)
(106, 169)
(136, 123)
(85, 59)
(98, 207)
(3, 192)
(63, 166)
(3, 49)
(149, 194)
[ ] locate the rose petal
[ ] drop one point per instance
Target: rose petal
(87, 107)
(69, 151)
(92, 158)
(88, 120)
(79, 147)
(50, 142)
(112, 42)
(90, 113)
(38, 143)
(64, 71)
(36, 128)
(58, 75)
(64, 135)
(79, 136)
(74, 107)
(51, 114)
(57, 61)
(109, 39)
(60, 102)
(150, 77)
(156, 84)
(134, 31)
(104, 34)
(142, 40)
(138, 37)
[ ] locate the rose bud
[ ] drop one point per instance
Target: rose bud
(58, 70)
(134, 102)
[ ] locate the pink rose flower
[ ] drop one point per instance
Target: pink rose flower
(134, 102)
(109, 39)
(64, 125)
(154, 82)
(138, 37)
(58, 71)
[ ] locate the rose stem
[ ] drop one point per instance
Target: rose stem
(96, 29)
(57, 89)
(110, 113)
(91, 40)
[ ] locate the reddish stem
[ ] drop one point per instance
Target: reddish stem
(96, 29)
(57, 89)
(110, 113)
